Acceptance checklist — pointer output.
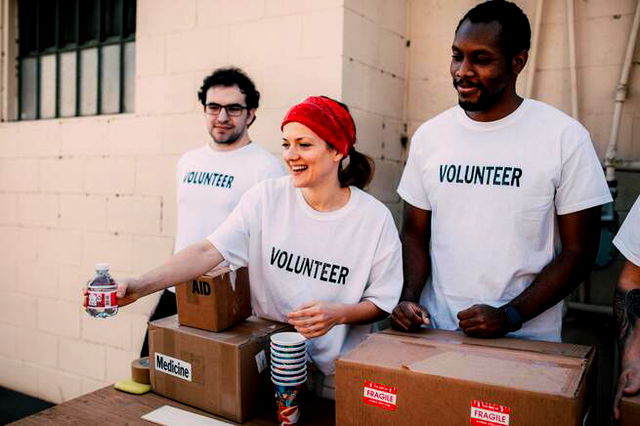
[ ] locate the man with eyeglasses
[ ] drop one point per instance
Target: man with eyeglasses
(212, 178)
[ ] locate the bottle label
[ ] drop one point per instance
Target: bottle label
(99, 299)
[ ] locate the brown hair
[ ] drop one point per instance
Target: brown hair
(358, 172)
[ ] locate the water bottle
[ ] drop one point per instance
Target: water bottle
(102, 293)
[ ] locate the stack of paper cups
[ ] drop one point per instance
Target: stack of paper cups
(288, 373)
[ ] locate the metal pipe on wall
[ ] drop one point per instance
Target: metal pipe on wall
(627, 166)
(533, 57)
(621, 95)
(572, 58)
(406, 75)
(3, 64)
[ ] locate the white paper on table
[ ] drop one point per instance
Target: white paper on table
(172, 416)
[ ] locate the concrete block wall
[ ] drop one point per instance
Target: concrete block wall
(602, 32)
(374, 87)
(83, 190)
(71, 197)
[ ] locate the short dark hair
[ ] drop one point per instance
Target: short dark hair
(516, 31)
(228, 77)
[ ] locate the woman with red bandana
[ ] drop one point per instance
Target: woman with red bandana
(322, 254)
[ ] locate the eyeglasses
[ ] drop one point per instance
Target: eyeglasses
(233, 110)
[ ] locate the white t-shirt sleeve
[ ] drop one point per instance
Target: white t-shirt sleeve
(582, 183)
(411, 187)
(231, 238)
(385, 278)
(627, 239)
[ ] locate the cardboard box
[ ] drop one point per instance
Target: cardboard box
(437, 377)
(223, 373)
(215, 301)
(630, 411)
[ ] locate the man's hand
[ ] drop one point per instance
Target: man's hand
(628, 384)
(409, 316)
(315, 319)
(483, 321)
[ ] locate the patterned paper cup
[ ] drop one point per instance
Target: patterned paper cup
(288, 339)
(288, 379)
(288, 367)
(288, 362)
(293, 356)
(284, 371)
(288, 402)
(279, 383)
(278, 348)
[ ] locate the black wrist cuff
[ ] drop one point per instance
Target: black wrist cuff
(514, 320)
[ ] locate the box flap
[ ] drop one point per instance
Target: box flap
(545, 377)
(237, 335)
(447, 356)
(539, 346)
(221, 269)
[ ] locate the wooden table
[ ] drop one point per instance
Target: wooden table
(108, 406)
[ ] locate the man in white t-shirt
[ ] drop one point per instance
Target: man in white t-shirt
(212, 178)
(502, 196)
(626, 304)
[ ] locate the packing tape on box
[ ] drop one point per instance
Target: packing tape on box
(140, 370)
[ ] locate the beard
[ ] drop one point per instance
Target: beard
(485, 100)
(227, 139)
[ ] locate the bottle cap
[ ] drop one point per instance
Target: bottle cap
(102, 266)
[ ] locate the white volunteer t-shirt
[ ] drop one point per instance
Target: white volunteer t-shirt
(210, 184)
(296, 255)
(627, 239)
(494, 190)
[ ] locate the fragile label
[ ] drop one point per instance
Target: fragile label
(172, 366)
(261, 361)
(380, 395)
(487, 414)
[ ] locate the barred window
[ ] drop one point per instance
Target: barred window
(76, 57)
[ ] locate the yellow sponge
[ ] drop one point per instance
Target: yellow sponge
(130, 386)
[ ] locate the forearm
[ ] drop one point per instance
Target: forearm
(580, 237)
(185, 265)
(556, 281)
(415, 237)
(416, 267)
(626, 309)
(365, 312)
(631, 351)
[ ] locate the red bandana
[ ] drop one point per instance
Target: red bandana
(327, 119)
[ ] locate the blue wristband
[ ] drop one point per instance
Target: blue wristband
(514, 320)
